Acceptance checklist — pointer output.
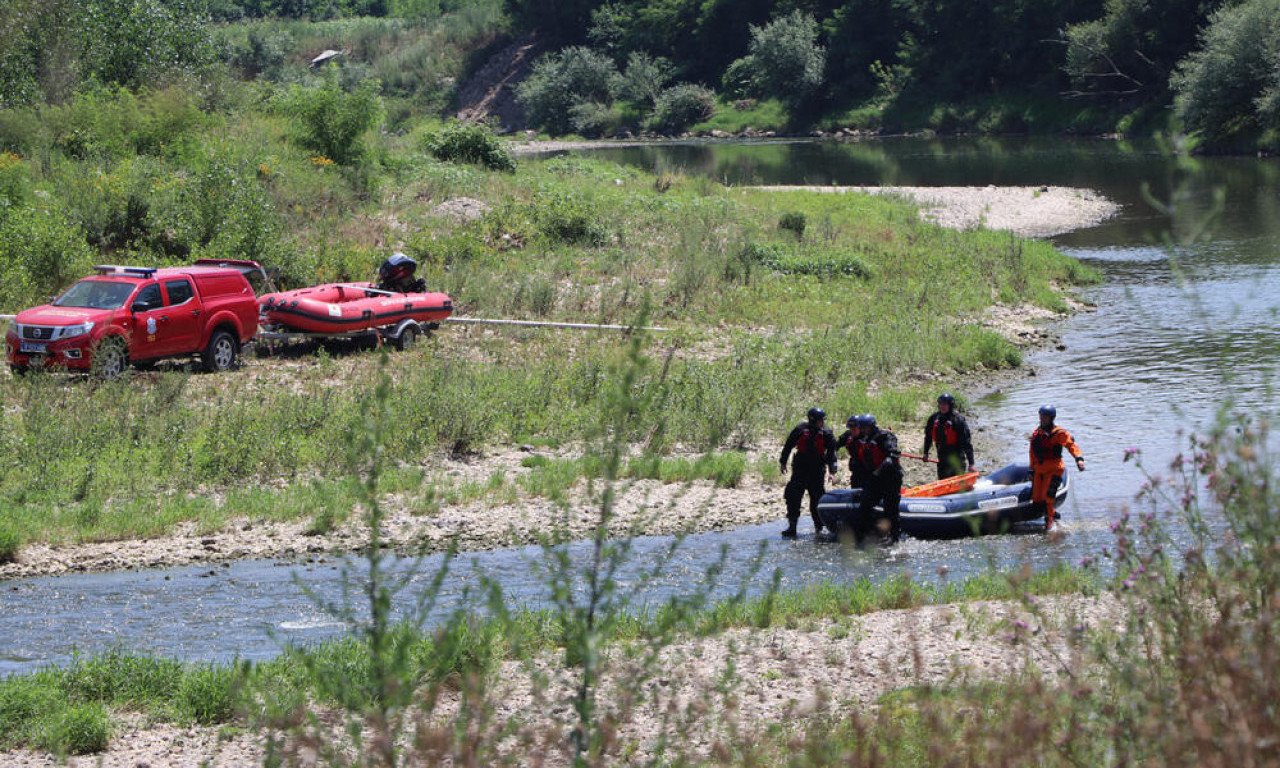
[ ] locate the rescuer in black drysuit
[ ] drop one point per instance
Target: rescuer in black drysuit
(815, 458)
(878, 472)
(847, 440)
(950, 433)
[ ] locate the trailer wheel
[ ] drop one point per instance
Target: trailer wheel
(407, 338)
(221, 353)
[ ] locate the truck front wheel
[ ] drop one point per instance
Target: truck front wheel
(110, 358)
(221, 353)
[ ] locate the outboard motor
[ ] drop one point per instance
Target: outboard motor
(396, 274)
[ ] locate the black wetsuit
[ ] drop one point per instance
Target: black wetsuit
(950, 433)
(815, 455)
(878, 470)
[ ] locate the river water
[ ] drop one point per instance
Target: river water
(1177, 331)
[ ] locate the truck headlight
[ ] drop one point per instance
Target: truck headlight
(69, 331)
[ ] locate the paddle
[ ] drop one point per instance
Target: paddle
(922, 458)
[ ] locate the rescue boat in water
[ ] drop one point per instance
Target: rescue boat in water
(347, 307)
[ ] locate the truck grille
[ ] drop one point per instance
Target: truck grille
(37, 332)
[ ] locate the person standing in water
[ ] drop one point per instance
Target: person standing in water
(1047, 467)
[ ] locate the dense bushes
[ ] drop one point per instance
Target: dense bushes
(1230, 88)
(469, 143)
(332, 121)
(560, 81)
(680, 106)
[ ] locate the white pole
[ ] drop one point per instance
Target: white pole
(540, 324)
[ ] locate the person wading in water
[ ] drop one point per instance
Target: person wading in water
(815, 449)
(950, 432)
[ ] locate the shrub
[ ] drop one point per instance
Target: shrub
(10, 543)
(560, 80)
(332, 121)
(799, 260)
(207, 694)
(680, 106)
(785, 60)
(474, 143)
(644, 78)
(793, 221)
(40, 252)
(80, 729)
(569, 218)
(593, 119)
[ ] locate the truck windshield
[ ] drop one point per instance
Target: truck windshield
(96, 294)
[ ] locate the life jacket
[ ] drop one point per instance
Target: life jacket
(870, 454)
(812, 442)
(945, 434)
(1042, 444)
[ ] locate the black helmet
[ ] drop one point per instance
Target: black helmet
(948, 398)
(852, 421)
(1050, 411)
(817, 414)
(398, 267)
(866, 420)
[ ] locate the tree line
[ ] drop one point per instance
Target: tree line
(1125, 61)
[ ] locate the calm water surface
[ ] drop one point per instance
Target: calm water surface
(1177, 331)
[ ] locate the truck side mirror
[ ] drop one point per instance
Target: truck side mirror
(142, 305)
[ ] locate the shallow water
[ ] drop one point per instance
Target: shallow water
(1163, 349)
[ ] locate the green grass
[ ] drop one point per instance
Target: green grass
(767, 322)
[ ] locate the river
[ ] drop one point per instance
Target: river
(1177, 331)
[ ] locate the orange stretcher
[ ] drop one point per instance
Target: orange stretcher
(957, 484)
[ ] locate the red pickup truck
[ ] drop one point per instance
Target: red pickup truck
(125, 315)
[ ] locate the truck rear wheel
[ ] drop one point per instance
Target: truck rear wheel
(221, 353)
(110, 358)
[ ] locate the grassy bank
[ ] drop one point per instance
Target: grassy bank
(778, 300)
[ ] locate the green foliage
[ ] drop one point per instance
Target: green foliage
(1128, 54)
(333, 122)
(1230, 87)
(10, 544)
(475, 143)
(576, 75)
(207, 694)
(78, 729)
(682, 105)
(54, 49)
(785, 60)
(807, 260)
(644, 78)
(793, 222)
(40, 253)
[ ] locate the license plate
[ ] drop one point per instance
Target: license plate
(31, 347)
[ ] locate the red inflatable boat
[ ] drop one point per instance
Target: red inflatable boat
(346, 307)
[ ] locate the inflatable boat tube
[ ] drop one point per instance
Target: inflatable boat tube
(347, 307)
(997, 501)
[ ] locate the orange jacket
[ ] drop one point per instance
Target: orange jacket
(1046, 449)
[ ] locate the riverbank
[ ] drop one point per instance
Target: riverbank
(699, 691)
(489, 520)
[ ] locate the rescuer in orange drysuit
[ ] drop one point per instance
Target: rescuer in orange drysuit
(1047, 468)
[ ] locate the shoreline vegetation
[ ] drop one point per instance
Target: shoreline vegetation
(478, 496)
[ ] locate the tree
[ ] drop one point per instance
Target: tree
(561, 80)
(1230, 87)
(1130, 52)
(333, 122)
(785, 60)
